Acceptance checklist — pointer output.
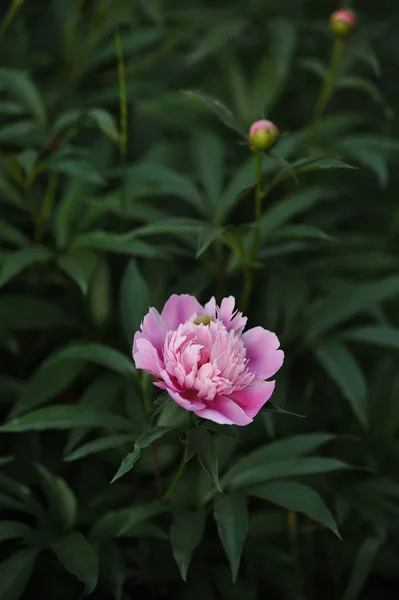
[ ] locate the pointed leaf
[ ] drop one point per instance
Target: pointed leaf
(341, 366)
(208, 458)
(143, 441)
(231, 516)
(20, 260)
(296, 497)
(220, 110)
(362, 566)
(97, 353)
(134, 300)
(15, 573)
(79, 558)
(185, 534)
(99, 445)
(66, 417)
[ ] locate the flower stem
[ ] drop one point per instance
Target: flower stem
(330, 80)
(182, 467)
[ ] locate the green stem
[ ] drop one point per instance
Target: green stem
(9, 16)
(182, 467)
(47, 205)
(330, 80)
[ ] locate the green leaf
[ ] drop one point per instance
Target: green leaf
(101, 393)
(293, 446)
(20, 312)
(378, 335)
(209, 161)
(343, 369)
(15, 573)
(208, 458)
(66, 417)
(363, 85)
(18, 261)
(12, 235)
(143, 441)
(223, 113)
(80, 266)
(99, 445)
(216, 38)
(291, 206)
(10, 530)
(347, 302)
(61, 501)
(308, 166)
(177, 226)
(79, 168)
(169, 182)
(279, 469)
(45, 384)
(20, 86)
(273, 408)
(118, 522)
(243, 180)
(186, 533)
(78, 557)
(121, 243)
(113, 567)
(313, 66)
(273, 70)
(134, 300)
(362, 565)
(297, 497)
(96, 353)
(231, 516)
(105, 122)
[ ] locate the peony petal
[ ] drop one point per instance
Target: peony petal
(178, 309)
(226, 310)
(253, 398)
(231, 321)
(210, 307)
(225, 411)
(153, 329)
(146, 357)
(264, 360)
(186, 399)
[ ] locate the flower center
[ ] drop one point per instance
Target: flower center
(204, 320)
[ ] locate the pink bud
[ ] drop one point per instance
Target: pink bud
(263, 135)
(343, 22)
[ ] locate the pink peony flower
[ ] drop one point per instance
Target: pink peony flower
(202, 358)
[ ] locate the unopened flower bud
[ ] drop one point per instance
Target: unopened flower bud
(263, 135)
(343, 22)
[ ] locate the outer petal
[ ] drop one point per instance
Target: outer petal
(153, 329)
(253, 398)
(263, 357)
(146, 357)
(180, 308)
(225, 411)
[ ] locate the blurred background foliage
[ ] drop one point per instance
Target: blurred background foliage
(118, 189)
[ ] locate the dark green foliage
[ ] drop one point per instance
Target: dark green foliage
(125, 176)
